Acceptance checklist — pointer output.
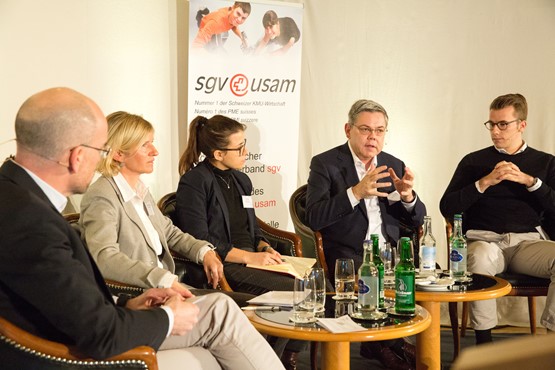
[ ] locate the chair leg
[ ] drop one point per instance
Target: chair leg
(464, 319)
(532, 314)
(453, 315)
(314, 355)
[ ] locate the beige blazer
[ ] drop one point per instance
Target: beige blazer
(118, 242)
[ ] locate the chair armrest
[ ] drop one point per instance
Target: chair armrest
(191, 273)
(31, 350)
(281, 240)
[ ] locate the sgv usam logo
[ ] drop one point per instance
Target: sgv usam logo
(240, 84)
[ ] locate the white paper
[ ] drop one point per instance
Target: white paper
(342, 324)
(274, 298)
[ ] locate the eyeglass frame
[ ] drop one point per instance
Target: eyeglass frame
(239, 150)
(365, 130)
(103, 151)
(501, 125)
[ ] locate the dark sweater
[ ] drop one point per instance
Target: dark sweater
(507, 206)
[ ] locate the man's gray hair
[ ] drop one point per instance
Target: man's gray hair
(364, 105)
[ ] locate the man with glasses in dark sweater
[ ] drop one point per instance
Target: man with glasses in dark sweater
(507, 197)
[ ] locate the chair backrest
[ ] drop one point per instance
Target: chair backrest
(20, 349)
(313, 245)
(166, 204)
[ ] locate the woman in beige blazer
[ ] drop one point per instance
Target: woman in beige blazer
(126, 233)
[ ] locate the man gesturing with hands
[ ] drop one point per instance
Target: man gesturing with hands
(355, 190)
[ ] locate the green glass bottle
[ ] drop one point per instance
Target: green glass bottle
(404, 280)
(380, 266)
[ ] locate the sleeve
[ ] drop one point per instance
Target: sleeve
(327, 200)
(101, 220)
(52, 277)
(461, 193)
(192, 207)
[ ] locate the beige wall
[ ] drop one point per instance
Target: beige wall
(434, 64)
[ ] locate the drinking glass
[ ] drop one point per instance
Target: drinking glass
(344, 278)
(316, 290)
(388, 258)
(301, 289)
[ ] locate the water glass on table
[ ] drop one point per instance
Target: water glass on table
(344, 278)
(316, 290)
(301, 289)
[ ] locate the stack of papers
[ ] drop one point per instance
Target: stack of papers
(343, 324)
(274, 298)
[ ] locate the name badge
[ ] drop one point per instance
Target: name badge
(247, 201)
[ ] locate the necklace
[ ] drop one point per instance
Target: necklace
(227, 183)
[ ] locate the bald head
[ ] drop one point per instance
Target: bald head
(53, 121)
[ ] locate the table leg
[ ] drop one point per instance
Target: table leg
(336, 355)
(428, 342)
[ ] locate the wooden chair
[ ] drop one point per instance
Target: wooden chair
(522, 286)
(20, 349)
(312, 244)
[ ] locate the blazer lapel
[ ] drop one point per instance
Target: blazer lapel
(349, 173)
(130, 211)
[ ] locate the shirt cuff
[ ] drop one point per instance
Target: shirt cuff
(169, 312)
(167, 280)
(352, 197)
(202, 252)
(536, 185)
(410, 206)
(478, 187)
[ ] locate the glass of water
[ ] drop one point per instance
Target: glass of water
(316, 290)
(301, 290)
(344, 278)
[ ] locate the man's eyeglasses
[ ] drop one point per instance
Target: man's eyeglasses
(240, 150)
(103, 151)
(365, 130)
(501, 125)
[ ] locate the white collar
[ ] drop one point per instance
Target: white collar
(520, 150)
(127, 192)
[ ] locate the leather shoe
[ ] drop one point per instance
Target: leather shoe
(391, 361)
(289, 360)
(408, 352)
(386, 356)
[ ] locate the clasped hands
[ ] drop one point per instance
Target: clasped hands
(369, 185)
(505, 171)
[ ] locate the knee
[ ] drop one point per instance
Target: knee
(482, 257)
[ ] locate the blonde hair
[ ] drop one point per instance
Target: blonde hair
(126, 132)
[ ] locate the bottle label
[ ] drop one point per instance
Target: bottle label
(368, 291)
(455, 256)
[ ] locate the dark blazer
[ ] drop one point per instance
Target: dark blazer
(329, 210)
(49, 284)
(201, 209)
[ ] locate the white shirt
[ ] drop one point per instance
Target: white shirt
(136, 198)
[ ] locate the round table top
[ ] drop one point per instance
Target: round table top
(313, 332)
(482, 287)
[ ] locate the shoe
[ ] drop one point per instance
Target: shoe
(409, 352)
(390, 360)
(289, 360)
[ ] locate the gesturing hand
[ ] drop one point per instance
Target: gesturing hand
(369, 185)
(404, 185)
